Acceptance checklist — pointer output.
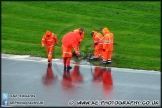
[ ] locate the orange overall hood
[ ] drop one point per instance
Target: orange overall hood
(105, 30)
(48, 32)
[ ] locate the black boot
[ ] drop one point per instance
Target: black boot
(108, 62)
(64, 68)
(49, 64)
(68, 68)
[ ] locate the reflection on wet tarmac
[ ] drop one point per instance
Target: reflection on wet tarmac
(107, 81)
(55, 87)
(103, 74)
(67, 80)
(76, 74)
(97, 75)
(70, 78)
(49, 78)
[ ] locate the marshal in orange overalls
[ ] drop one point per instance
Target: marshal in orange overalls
(69, 41)
(107, 46)
(49, 39)
(98, 43)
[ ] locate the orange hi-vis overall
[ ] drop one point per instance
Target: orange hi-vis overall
(107, 46)
(69, 41)
(77, 48)
(49, 39)
(98, 43)
(66, 55)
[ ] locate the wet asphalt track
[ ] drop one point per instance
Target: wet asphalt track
(96, 86)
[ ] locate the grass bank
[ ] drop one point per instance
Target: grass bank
(135, 24)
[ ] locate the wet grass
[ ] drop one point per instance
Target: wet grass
(136, 27)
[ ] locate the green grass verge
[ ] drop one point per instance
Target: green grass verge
(135, 24)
